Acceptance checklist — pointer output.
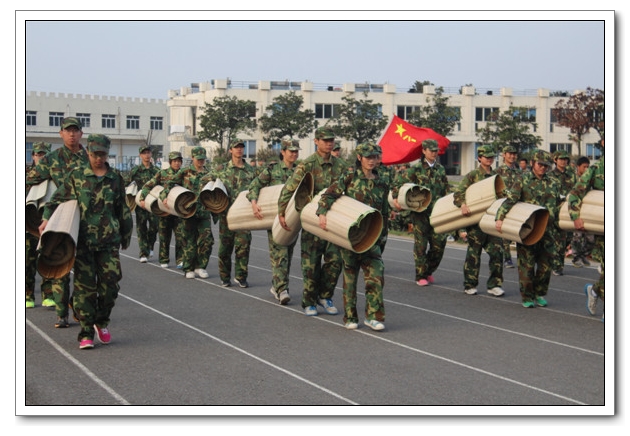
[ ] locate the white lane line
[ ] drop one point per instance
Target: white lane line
(78, 364)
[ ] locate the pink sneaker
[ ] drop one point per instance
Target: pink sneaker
(86, 344)
(430, 279)
(422, 282)
(103, 334)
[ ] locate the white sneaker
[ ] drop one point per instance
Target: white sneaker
(471, 291)
(497, 291)
(374, 324)
(284, 297)
(190, 275)
(351, 325)
(164, 265)
(202, 273)
(143, 259)
(328, 306)
(180, 265)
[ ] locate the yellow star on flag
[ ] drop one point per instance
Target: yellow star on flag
(400, 129)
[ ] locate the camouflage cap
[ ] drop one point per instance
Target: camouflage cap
(561, 154)
(430, 144)
(144, 147)
(542, 157)
(486, 151)
(71, 121)
(324, 133)
(237, 142)
(509, 149)
(337, 145)
(174, 155)
(41, 147)
(98, 143)
(198, 153)
(290, 144)
(368, 149)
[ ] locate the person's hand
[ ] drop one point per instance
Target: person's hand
(397, 204)
(322, 222)
(283, 223)
(257, 210)
(498, 224)
(165, 201)
(42, 227)
(142, 204)
(465, 210)
(579, 224)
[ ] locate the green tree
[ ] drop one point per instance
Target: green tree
(437, 114)
(418, 86)
(358, 120)
(511, 127)
(580, 113)
(222, 120)
(284, 117)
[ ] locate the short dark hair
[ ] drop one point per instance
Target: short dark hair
(582, 160)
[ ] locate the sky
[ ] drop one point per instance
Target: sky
(149, 56)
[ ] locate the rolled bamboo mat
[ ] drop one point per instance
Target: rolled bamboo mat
(412, 197)
(57, 245)
(214, 196)
(130, 195)
(300, 198)
(446, 217)
(350, 224)
(152, 201)
(240, 216)
(181, 202)
(591, 212)
(525, 223)
(36, 199)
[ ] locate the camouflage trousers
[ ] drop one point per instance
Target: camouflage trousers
(427, 262)
(478, 241)
(31, 271)
(96, 277)
(61, 293)
(373, 272)
(598, 255)
(507, 251)
(561, 238)
(196, 242)
(280, 256)
(321, 268)
(147, 229)
(535, 263)
(582, 244)
(237, 242)
(166, 227)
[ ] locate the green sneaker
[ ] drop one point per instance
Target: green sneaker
(30, 304)
(48, 302)
(528, 303)
(540, 300)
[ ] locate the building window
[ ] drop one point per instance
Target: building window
(486, 113)
(157, 123)
(250, 149)
(326, 110)
(560, 147)
(85, 119)
(405, 112)
(31, 118)
(54, 119)
(133, 122)
(592, 152)
(29, 153)
(108, 121)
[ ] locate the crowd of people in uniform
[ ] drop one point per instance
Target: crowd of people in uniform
(82, 173)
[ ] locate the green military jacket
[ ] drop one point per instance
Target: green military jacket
(56, 165)
(105, 218)
(509, 174)
(593, 178)
(476, 175)
(431, 177)
(141, 175)
(276, 173)
(235, 179)
(161, 178)
(567, 180)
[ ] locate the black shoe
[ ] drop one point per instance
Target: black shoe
(62, 322)
(226, 284)
(242, 283)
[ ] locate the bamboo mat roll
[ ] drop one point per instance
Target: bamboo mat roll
(412, 197)
(36, 199)
(131, 191)
(240, 215)
(591, 212)
(58, 243)
(300, 198)
(214, 196)
(525, 223)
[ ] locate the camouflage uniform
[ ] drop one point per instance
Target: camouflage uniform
(276, 173)
(535, 261)
(509, 174)
(374, 193)
(477, 239)
(55, 166)
(235, 179)
(105, 226)
(146, 222)
(321, 260)
(434, 178)
(385, 173)
(167, 225)
(593, 178)
(567, 180)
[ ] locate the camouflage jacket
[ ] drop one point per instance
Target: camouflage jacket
(235, 179)
(105, 218)
(476, 175)
(530, 189)
(593, 178)
(275, 173)
(431, 177)
(161, 178)
(324, 174)
(509, 175)
(56, 165)
(567, 180)
(141, 175)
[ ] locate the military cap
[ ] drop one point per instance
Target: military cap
(98, 143)
(324, 133)
(41, 147)
(290, 144)
(542, 157)
(337, 145)
(198, 153)
(71, 121)
(237, 142)
(486, 151)
(430, 144)
(144, 147)
(174, 155)
(561, 154)
(509, 149)
(367, 149)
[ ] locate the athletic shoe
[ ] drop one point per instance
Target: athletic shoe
(30, 304)
(143, 259)
(310, 311)
(591, 300)
(48, 302)
(284, 297)
(190, 275)
(328, 306)
(508, 264)
(62, 322)
(578, 263)
(241, 282)
(430, 279)
(180, 265)
(103, 334)
(273, 292)
(528, 304)
(350, 325)
(558, 273)
(496, 291)
(202, 273)
(585, 261)
(540, 300)
(164, 265)
(374, 324)
(86, 344)
(422, 282)
(226, 284)
(471, 291)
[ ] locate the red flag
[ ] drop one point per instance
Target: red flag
(402, 142)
